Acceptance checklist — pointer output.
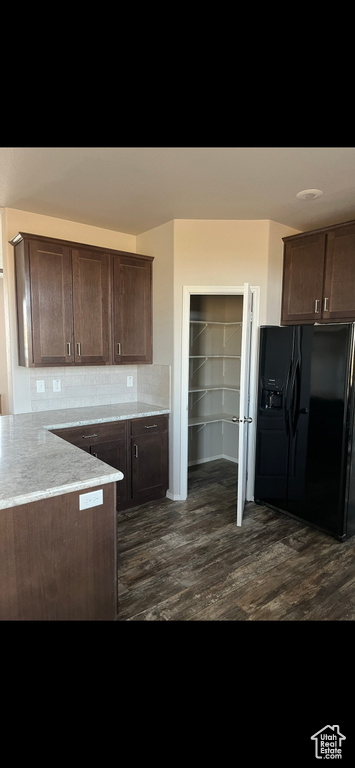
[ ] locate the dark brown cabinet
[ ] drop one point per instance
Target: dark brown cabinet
(44, 303)
(81, 305)
(149, 457)
(91, 307)
(319, 276)
(58, 562)
(138, 448)
(132, 310)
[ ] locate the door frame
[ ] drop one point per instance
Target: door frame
(234, 290)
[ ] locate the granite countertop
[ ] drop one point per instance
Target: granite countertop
(35, 464)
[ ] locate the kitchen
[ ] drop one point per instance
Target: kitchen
(187, 252)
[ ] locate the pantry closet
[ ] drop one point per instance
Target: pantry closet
(214, 377)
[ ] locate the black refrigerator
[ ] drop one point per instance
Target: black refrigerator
(304, 464)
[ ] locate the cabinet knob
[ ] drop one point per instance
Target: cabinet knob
(316, 306)
(78, 348)
(135, 451)
(118, 347)
(326, 304)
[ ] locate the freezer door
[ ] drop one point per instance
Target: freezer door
(317, 465)
(272, 434)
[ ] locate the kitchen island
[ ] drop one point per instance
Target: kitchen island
(57, 550)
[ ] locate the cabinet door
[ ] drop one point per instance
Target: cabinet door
(303, 274)
(339, 284)
(132, 310)
(91, 298)
(149, 458)
(51, 303)
(114, 453)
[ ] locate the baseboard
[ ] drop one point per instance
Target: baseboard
(212, 458)
(175, 496)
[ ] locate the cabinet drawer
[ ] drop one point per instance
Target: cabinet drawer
(149, 425)
(92, 433)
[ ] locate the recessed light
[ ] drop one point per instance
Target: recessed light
(309, 194)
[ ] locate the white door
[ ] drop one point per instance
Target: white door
(244, 419)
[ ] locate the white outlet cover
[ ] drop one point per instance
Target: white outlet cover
(91, 499)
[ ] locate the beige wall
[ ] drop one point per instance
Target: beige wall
(207, 253)
(159, 242)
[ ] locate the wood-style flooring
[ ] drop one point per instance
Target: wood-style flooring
(188, 560)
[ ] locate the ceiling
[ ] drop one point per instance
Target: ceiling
(134, 189)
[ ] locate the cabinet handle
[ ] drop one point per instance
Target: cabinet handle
(326, 305)
(135, 451)
(78, 348)
(85, 437)
(316, 305)
(118, 347)
(151, 426)
(68, 347)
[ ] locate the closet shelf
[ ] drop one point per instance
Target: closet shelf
(214, 387)
(214, 322)
(216, 417)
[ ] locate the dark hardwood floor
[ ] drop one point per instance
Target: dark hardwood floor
(188, 561)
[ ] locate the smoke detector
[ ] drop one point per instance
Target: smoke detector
(309, 194)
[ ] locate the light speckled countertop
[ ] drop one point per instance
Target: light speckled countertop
(35, 464)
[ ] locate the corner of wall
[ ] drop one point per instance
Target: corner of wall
(275, 270)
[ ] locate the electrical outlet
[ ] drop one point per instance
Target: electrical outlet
(129, 381)
(56, 385)
(92, 499)
(40, 385)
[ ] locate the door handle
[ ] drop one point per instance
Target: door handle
(246, 419)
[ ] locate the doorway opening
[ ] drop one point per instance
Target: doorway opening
(213, 387)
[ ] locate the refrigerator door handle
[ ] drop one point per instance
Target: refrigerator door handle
(295, 400)
(287, 401)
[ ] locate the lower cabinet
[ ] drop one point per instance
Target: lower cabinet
(57, 562)
(139, 448)
(149, 458)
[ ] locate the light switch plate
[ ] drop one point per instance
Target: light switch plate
(40, 385)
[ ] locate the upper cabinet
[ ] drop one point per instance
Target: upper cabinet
(132, 310)
(319, 276)
(81, 305)
(91, 307)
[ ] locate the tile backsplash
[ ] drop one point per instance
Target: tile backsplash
(98, 385)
